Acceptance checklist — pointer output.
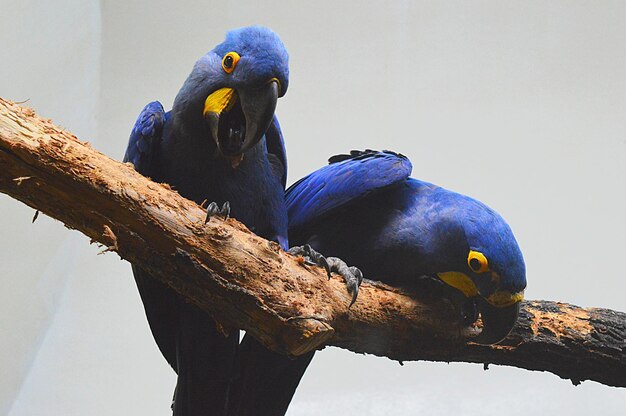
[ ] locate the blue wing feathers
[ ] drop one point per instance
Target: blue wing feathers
(345, 179)
(145, 137)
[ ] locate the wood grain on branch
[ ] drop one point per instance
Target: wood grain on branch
(249, 283)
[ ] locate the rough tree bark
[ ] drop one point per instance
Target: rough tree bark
(249, 283)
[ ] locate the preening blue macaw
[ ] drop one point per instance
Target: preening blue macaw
(220, 142)
(364, 208)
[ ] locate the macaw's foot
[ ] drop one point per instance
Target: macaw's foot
(214, 209)
(311, 257)
(351, 275)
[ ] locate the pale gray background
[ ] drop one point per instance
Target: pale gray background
(520, 104)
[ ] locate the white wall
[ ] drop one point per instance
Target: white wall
(520, 104)
(49, 57)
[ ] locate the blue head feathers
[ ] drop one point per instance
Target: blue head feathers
(234, 89)
(263, 55)
(488, 233)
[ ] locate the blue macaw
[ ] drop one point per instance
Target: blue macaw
(221, 142)
(366, 209)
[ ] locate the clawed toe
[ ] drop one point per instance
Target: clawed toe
(214, 209)
(351, 275)
(311, 257)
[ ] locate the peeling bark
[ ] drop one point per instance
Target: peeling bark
(249, 283)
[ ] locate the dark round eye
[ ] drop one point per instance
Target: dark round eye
(477, 262)
(229, 62)
(474, 264)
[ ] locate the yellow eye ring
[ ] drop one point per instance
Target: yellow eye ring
(229, 62)
(477, 262)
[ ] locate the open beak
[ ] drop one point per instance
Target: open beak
(237, 119)
(498, 321)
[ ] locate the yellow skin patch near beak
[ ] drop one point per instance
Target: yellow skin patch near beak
(462, 282)
(219, 101)
(502, 298)
(459, 281)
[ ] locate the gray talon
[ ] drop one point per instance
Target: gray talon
(225, 211)
(311, 257)
(214, 209)
(351, 275)
(358, 274)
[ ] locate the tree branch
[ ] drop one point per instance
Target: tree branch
(249, 283)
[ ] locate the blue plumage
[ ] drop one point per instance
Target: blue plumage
(263, 56)
(314, 196)
(145, 137)
(364, 209)
(220, 142)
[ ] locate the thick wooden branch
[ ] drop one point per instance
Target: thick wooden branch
(249, 283)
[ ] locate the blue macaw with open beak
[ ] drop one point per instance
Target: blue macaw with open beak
(220, 142)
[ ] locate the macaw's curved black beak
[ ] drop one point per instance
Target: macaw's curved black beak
(497, 321)
(238, 119)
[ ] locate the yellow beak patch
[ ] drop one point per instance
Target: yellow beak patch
(459, 281)
(219, 101)
(462, 282)
(502, 298)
